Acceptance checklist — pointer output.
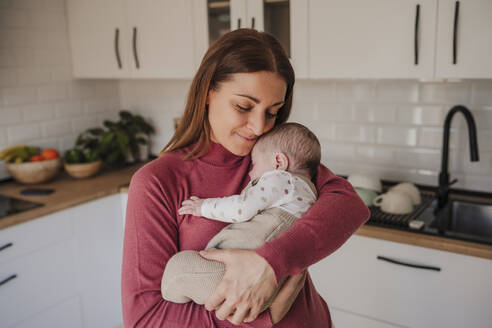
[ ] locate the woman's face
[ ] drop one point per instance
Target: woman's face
(244, 108)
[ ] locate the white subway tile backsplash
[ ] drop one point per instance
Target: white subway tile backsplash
(445, 93)
(357, 91)
(482, 93)
(433, 138)
(397, 136)
(355, 133)
(337, 151)
(53, 92)
(8, 77)
(483, 119)
(420, 115)
(38, 112)
(375, 113)
(375, 155)
(72, 108)
(33, 76)
(330, 112)
(10, 115)
(12, 18)
(422, 158)
(23, 133)
(397, 91)
(79, 125)
(38, 97)
(19, 96)
(56, 128)
(482, 167)
(319, 91)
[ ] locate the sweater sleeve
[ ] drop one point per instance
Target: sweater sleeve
(332, 219)
(151, 238)
(274, 188)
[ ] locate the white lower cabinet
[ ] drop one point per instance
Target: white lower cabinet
(358, 286)
(64, 268)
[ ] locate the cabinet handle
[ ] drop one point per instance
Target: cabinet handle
(416, 38)
(6, 280)
(252, 22)
(5, 246)
(117, 46)
(418, 266)
(239, 23)
(135, 54)
(455, 30)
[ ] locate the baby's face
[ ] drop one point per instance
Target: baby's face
(263, 161)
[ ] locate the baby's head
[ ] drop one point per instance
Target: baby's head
(290, 147)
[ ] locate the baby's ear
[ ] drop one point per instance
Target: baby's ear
(281, 162)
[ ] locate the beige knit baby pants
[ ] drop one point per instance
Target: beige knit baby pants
(190, 277)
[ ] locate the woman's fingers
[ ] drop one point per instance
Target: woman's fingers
(225, 310)
(239, 315)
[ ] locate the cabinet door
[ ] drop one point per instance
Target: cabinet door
(161, 35)
(372, 39)
(99, 237)
(354, 280)
(99, 39)
(464, 39)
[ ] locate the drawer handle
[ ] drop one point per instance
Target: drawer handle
(417, 266)
(239, 23)
(6, 280)
(117, 46)
(455, 30)
(6, 246)
(135, 53)
(416, 35)
(252, 22)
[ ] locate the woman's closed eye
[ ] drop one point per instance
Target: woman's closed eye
(247, 109)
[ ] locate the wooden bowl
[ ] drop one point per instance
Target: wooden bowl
(34, 172)
(82, 170)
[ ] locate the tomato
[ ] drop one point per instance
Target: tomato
(50, 153)
(36, 158)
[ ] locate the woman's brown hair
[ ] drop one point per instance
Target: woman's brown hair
(239, 51)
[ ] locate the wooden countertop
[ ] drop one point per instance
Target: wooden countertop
(70, 192)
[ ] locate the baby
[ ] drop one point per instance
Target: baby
(280, 192)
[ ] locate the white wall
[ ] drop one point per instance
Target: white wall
(40, 103)
(389, 128)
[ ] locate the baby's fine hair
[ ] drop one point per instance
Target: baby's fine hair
(297, 142)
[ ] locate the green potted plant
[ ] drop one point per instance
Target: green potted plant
(84, 160)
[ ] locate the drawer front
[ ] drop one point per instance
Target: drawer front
(347, 319)
(354, 279)
(68, 313)
(35, 234)
(43, 279)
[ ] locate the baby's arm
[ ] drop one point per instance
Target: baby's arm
(272, 189)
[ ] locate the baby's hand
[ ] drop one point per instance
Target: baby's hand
(191, 206)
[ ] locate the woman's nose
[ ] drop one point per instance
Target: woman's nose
(256, 123)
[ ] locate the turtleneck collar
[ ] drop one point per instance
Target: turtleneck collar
(218, 155)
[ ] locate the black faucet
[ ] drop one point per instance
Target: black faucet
(444, 183)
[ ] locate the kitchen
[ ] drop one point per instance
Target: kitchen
(374, 82)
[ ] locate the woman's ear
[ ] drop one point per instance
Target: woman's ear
(281, 162)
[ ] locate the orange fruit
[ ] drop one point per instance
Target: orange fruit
(50, 153)
(36, 158)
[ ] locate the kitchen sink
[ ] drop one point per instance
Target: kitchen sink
(465, 219)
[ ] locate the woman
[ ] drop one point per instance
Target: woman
(242, 89)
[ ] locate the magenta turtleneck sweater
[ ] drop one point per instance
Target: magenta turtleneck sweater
(154, 232)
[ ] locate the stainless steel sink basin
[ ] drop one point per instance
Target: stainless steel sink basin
(471, 220)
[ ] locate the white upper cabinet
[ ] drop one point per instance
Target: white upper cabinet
(372, 39)
(285, 19)
(464, 34)
(99, 38)
(125, 39)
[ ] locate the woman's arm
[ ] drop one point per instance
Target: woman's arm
(333, 218)
(151, 238)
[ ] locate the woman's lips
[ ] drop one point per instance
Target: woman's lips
(247, 139)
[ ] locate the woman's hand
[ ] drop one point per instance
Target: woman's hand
(286, 296)
(249, 281)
